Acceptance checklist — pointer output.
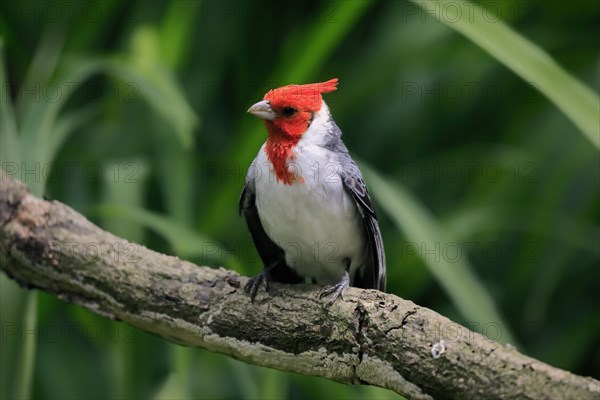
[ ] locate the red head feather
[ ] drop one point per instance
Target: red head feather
(304, 97)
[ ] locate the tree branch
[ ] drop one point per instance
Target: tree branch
(369, 337)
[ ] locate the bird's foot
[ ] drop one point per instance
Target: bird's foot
(254, 283)
(337, 290)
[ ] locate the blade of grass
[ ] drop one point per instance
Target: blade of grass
(579, 103)
(324, 34)
(455, 275)
(176, 31)
(38, 125)
(174, 160)
(41, 68)
(68, 123)
(245, 377)
(161, 89)
(177, 383)
(274, 383)
(12, 297)
(127, 192)
(89, 34)
(25, 366)
(10, 147)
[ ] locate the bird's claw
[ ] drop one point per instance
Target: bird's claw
(337, 290)
(254, 283)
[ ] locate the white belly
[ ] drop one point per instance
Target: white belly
(316, 222)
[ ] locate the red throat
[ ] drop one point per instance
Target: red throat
(279, 151)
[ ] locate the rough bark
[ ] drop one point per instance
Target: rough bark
(369, 337)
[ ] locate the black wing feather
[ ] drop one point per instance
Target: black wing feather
(374, 276)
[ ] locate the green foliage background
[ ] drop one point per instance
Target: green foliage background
(476, 127)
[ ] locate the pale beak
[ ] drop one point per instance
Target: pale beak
(263, 110)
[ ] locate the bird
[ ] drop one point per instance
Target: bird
(305, 201)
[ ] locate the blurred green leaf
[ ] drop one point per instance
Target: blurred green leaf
(320, 37)
(124, 183)
(245, 376)
(426, 235)
(573, 346)
(37, 131)
(25, 362)
(526, 59)
(274, 384)
(176, 31)
(177, 384)
(156, 83)
(10, 149)
(12, 297)
(473, 221)
(41, 69)
(172, 388)
(66, 124)
(40, 140)
(90, 29)
(158, 87)
(173, 160)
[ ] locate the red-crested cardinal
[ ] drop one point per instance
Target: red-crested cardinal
(305, 202)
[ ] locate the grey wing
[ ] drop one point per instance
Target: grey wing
(374, 276)
(269, 252)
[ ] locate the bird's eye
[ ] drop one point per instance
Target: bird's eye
(288, 111)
